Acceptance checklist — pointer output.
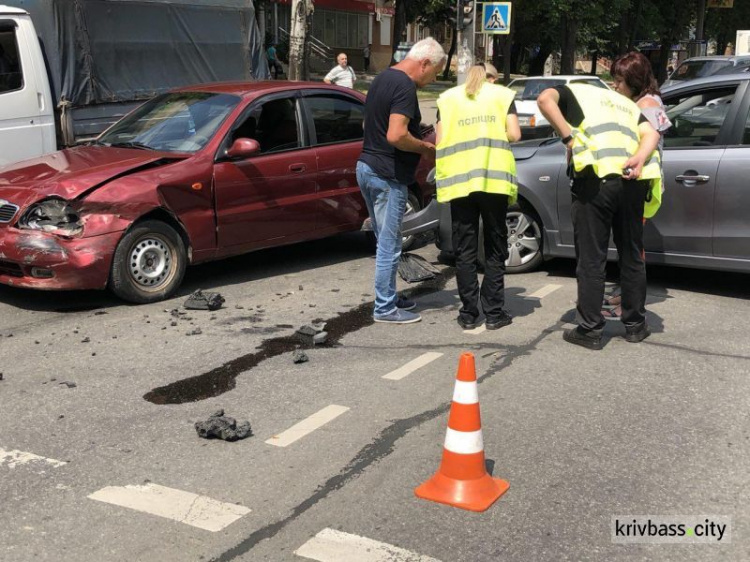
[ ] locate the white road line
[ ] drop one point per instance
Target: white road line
(544, 291)
(184, 507)
(330, 545)
(20, 458)
(476, 331)
(412, 366)
(298, 431)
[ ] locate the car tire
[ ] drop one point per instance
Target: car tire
(413, 205)
(525, 247)
(149, 263)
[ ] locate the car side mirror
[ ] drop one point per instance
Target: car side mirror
(243, 148)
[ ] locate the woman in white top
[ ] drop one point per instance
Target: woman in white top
(634, 78)
(341, 74)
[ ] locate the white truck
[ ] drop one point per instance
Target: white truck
(71, 68)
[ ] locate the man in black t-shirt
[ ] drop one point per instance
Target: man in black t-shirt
(390, 155)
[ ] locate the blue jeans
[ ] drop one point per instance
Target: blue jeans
(386, 203)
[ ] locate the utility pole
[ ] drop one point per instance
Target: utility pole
(465, 22)
(297, 31)
(699, 27)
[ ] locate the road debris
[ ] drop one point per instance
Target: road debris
(204, 301)
(195, 332)
(300, 357)
(414, 269)
(69, 384)
(313, 333)
(223, 427)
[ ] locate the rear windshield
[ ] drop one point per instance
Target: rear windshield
(530, 89)
(698, 68)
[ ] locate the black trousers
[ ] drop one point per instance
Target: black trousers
(465, 213)
(600, 207)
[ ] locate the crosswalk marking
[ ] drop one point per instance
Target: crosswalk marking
(308, 425)
(544, 291)
(412, 366)
(15, 458)
(185, 507)
(330, 545)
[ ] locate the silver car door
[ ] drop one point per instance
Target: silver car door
(693, 148)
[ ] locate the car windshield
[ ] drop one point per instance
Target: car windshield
(530, 89)
(698, 68)
(176, 122)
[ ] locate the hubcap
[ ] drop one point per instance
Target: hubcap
(524, 239)
(150, 262)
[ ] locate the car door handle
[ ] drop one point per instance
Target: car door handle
(297, 168)
(696, 179)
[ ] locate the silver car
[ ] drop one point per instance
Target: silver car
(704, 220)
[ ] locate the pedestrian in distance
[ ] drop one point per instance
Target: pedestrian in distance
(342, 74)
(476, 173)
(366, 55)
(634, 78)
(390, 155)
(273, 61)
(614, 169)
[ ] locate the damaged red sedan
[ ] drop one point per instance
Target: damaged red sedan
(193, 175)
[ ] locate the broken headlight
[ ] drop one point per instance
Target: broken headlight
(52, 215)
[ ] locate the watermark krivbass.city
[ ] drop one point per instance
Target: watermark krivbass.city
(677, 529)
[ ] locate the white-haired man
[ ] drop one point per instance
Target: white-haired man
(342, 74)
(390, 155)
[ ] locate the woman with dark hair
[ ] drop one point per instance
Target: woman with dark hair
(634, 78)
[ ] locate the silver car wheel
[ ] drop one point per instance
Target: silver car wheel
(150, 261)
(524, 238)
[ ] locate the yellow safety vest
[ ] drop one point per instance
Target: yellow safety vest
(474, 153)
(608, 136)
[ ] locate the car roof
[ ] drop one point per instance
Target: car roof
(245, 89)
(567, 77)
(713, 80)
(717, 57)
(11, 10)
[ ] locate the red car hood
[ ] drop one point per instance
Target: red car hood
(70, 173)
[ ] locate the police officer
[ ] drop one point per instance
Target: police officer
(476, 173)
(616, 182)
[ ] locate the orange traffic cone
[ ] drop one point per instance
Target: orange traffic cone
(462, 480)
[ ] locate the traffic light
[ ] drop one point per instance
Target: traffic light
(461, 13)
(467, 13)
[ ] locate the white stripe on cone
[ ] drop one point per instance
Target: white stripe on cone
(466, 392)
(464, 442)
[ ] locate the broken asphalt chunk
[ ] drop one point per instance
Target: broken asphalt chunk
(219, 426)
(300, 357)
(196, 332)
(313, 333)
(204, 301)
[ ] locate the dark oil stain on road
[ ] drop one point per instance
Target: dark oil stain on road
(223, 379)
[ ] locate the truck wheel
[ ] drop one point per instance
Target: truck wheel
(149, 263)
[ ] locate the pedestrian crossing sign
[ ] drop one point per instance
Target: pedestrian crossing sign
(496, 18)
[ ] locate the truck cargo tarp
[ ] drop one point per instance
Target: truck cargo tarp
(101, 51)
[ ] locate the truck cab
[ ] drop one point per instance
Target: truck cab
(27, 121)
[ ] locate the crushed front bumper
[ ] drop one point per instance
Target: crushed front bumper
(415, 223)
(39, 260)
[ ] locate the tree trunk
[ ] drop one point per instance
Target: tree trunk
(594, 58)
(399, 26)
(297, 39)
(570, 29)
(635, 18)
(536, 67)
(623, 33)
(661, 70)
(451, 52)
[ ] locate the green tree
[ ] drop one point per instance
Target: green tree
(722, 24)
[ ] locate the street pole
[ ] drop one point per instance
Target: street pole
(699, 27)
(297, 39)
(465, 44)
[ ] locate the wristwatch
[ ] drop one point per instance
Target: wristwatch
(567, 139)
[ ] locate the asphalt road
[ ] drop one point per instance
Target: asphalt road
(650, 429)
